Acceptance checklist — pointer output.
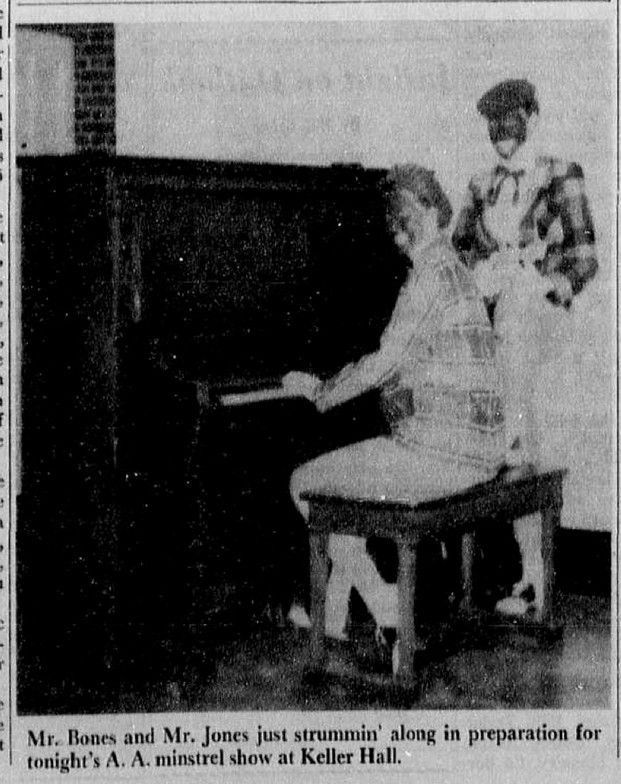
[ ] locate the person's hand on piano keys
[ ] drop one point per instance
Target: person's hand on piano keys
(300, 384)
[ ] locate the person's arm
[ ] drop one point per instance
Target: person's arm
(572, 258)
(414, 302)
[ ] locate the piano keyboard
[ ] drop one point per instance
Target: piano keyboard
(255, 396)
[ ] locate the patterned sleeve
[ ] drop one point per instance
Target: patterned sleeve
(468, 238)
(574, 253)
(416, 299)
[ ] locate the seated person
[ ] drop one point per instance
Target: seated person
(441, 390)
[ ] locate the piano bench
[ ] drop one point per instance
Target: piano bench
(407, 522)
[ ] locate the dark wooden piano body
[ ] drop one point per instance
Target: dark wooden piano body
(147, 287)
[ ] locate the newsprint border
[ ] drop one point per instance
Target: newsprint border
(128, 745)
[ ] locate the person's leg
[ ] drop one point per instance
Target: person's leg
(520, 322)
(377, 469)
(344, 471)
(528, 535)
(353, 567)
(516, 323)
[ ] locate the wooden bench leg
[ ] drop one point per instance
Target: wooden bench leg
(319, 582)
(406, 587)
(467, 560)
(550, 522)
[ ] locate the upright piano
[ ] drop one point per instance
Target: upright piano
(155, 295)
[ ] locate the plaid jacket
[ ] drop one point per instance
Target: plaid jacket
(554, 209)
(436, 367)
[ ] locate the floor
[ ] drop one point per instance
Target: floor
(483, 669)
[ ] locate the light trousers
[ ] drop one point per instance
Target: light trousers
(527, 326)
(379, 469)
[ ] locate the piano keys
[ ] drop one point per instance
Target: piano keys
(256, 396)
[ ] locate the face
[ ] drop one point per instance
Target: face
(506, 148)
(508, 132)
(413, 222)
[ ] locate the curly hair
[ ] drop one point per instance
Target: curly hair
(423, 185)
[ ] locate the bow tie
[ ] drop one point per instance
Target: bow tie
(502, 174)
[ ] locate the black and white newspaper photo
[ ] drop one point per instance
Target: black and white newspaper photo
(309, 391)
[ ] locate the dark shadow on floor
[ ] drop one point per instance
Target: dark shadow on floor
(245, 662)
(502, 668)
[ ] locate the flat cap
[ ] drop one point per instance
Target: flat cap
(508, 96)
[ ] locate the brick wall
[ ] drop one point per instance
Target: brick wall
(95, 99)
(95, 88)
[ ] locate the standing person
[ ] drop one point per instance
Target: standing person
(526, 232)
(441, 390)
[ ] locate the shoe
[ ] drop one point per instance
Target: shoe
(298, 616)
(512, 607)
(519, 604)
(525, 590)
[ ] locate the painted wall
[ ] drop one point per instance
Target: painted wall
(386, 93)
(45, 88)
